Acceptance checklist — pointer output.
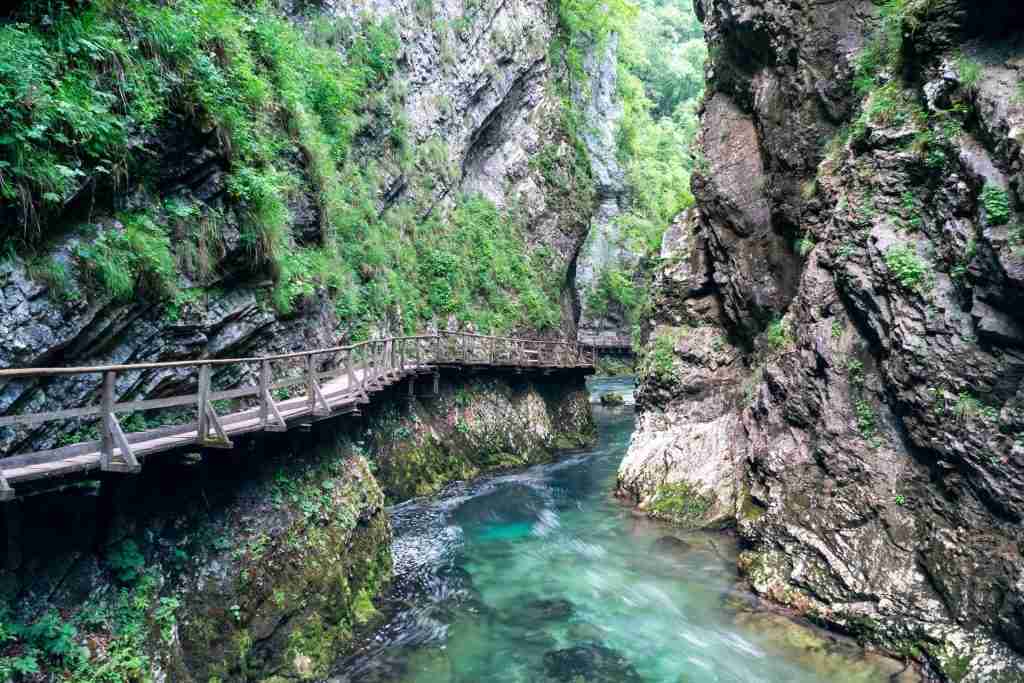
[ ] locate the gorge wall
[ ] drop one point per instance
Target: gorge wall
(209, 178)
(262, 563)
(836, 353)
(337, 173)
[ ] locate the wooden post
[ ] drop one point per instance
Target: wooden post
(268, 408)
(437, 347)
(264, 393)
(106, 410)
(494, 349)
(208, 416)
(401, 354)
(311, 383)
(318, 404)
(111, 434)
(204, 397)
(6, 492)
(437, 383)
(350, 371)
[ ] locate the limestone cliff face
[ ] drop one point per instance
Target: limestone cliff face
(479, 89)
(835, 359)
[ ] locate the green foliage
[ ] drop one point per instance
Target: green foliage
(996, 202)
(585, 23)
(136, 256)
(658, 360)
(661, 68)
(804, 245)
(883, 50)
(54, 274)
(287, 102)
(126, 561)
(867, 421)
(855, 373)
(969, 406)
(969, 71)
(906, 267)
(614, 286)
(778, 335)
(119, 620)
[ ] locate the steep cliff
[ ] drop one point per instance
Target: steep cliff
(835, 355)
(211, 178)
(205, 178)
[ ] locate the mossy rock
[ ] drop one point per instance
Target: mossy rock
(612, 399)
(681, 503)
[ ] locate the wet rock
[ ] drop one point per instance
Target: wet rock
(612, 400)
(861, 429)
(589, 662)
(546, 609)
(672, 546)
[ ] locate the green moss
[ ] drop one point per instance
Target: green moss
(750, 510)
(680, 502)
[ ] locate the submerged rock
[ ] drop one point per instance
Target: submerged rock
(546, 609)
(612, 399)
(672, 545)
(589, 662)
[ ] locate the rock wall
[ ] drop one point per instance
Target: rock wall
(603, 249)
(263, 563)
(478, 82)
(834, 361)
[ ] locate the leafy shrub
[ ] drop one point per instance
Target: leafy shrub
(996, 202)
(659, 358)
(867, 421)
(126, 561)
(883, 49)
(906, 267)
(136, 255)
(778, 335)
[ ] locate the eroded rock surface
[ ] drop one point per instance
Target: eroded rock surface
(836, 354)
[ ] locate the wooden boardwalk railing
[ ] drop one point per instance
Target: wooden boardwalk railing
(310, 385)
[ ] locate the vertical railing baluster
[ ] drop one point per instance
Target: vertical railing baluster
(350, 371)
(311, 382)
(264, 393)
(106, 413)
(203, 400)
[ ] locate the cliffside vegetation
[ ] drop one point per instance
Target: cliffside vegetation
(660, 82)
(92, 94)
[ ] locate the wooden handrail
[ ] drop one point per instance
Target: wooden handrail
(352, 372)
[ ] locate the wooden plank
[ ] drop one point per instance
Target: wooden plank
(36, 418)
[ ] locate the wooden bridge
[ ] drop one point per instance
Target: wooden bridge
(313, 385)
(608, 342)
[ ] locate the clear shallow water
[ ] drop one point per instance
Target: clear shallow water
(542, 576)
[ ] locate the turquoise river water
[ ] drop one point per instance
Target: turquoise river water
(542, 575)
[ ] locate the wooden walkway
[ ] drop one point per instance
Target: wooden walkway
(292, 389)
